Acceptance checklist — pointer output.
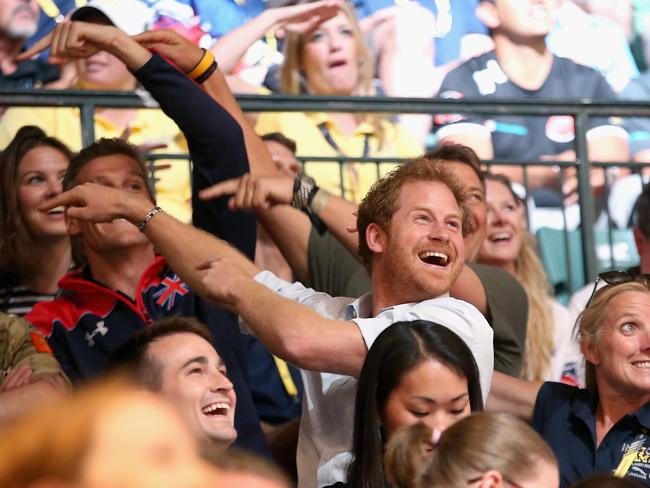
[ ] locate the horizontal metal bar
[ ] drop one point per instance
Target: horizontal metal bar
(313, 103)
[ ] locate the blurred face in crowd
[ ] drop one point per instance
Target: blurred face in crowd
(476, 205)
(431, 393)
(39, 176)
(621, 350)
(519, 19)
(115, 171)
(284, 158)
(103, 71)
(330, 57)
(546, 475)
(140, 442)
(194, 380)
(505, 227)
(18, 18)
(422, 252)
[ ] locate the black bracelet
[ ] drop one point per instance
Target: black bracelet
(304, 188)
(208, 72)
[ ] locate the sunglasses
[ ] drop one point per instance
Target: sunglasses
(616, 278)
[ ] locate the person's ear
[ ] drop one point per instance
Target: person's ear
(375, 238)
(488, 14)
(590, 351)
(491, 479)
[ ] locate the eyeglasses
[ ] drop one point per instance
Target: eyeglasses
(617, 278)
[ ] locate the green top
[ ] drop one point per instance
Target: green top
(20, 343)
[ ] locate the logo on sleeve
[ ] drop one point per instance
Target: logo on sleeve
(559, 128)
(39, 342)
(100, 328)
(171, 288)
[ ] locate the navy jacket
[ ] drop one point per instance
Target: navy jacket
(88, 320)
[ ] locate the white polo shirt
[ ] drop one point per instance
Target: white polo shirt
(327, 421)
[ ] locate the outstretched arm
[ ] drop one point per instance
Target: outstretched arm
(215, 270)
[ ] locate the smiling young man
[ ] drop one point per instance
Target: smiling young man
(176, 358)
(521, 67)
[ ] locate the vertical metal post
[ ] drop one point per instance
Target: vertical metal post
(87, 124)
(586, 198)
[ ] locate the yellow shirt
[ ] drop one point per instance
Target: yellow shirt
(149, 126)
(357, 177)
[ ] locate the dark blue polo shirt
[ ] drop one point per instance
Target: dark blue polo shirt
(565, 416)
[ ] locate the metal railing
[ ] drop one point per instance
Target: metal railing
(581, 110)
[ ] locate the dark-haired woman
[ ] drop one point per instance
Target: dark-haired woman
(34, 244)
(415, 372)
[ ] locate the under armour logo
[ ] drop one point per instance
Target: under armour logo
(100, 328)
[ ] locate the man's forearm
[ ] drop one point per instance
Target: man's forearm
(513, 395)
(298, 334)
(339, 215)
(17, 401)
(183, 246)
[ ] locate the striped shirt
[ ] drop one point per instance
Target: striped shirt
(19, 300)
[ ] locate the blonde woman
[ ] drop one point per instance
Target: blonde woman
(600, 429)
(490, 450)
(550, 351)
(329, 58)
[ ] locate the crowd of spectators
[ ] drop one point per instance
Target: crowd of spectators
(192, 300)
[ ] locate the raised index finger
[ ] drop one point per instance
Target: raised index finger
(40, 46)
(66, 198)
(227, 187)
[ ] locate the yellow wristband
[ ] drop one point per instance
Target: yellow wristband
(203, 66)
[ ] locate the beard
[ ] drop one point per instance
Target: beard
(23, 28)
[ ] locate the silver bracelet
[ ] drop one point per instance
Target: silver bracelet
(148, 217)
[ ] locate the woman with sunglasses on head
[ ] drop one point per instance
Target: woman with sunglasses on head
(35, 249)
(605, 427)
(415, 372)
(550, 351)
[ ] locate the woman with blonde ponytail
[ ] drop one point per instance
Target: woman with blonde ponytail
(550, 351)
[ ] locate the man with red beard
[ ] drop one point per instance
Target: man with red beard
(410, 227)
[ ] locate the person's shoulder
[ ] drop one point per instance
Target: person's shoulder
(498, 282)
(476, 63)
(579, 75)
(553, 394)
(461, 81)
(451, 309)
(638, 88)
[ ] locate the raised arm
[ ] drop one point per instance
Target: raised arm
(300, 18)
(214, 137)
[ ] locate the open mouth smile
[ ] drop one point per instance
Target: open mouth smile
(437, 258)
